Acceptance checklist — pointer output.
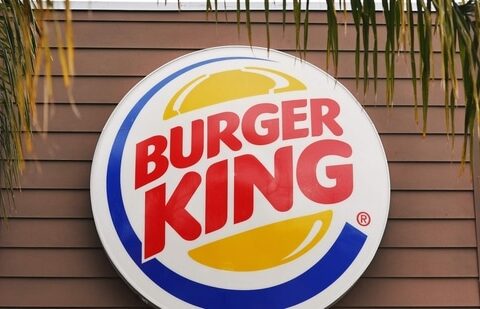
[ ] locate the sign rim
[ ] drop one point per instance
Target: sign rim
(101, 144)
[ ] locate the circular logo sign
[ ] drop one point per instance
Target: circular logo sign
(238, 177)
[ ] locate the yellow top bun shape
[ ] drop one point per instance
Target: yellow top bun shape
(225, 86)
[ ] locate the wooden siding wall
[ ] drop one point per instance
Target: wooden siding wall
(51, 257)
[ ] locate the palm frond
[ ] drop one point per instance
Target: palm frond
(332, 35)
(267, 21)
(306, 22)
(249, 24)
(23, 48)
(411, 27)
(413, 65)
(297, 15)
(357, 9)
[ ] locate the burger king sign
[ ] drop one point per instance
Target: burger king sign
(237, 177)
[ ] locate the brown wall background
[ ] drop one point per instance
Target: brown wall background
(50, 254)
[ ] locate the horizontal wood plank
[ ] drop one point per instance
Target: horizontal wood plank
(89, 90)
(316, 17)
(71, 203)
(417, 148)
(56, 175)
(402, 120)
(403, 176)
(28, 292)
(45, 233)
(367, 292)
(81, 233)
(429, 234)
(80, 146)
(141, 62)
(33, 203)
(432, 204)
(429, 176)
(62, 146)
(92, 118)
(93, 263)
(111, 89)
(184, 16)
(426, 263)
(119, 34)
(412, 293)
(55, 263)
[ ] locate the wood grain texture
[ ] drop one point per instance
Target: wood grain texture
(56, 263)
(195, 35)
(419, 148)
(429, 234)
(111, 89)
(432, 205)
(38, 203)
(66, 292)
(81, 233)
(75, 203)
(317, 17)
(93, 263)
(423, 263)
(51, 254)
(403, 176)
(413, 293)
(429, 176)
(80, 146)
(92, 118)
(368, 292)
(49, 233)
(141, 62)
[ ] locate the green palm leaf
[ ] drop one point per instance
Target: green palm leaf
(456, 26)
(23, 48)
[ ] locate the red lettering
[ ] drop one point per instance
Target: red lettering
(143, 157)
(225, 135)
(158, 212)
(196, 148)
(271, 125)
(342, 174)
(250, 173)
(260, 125)
(319, 119)
(289, 118)
(216, 196)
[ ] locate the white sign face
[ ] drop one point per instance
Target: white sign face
(237, 177)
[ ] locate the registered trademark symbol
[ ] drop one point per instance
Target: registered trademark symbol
(363, 218)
